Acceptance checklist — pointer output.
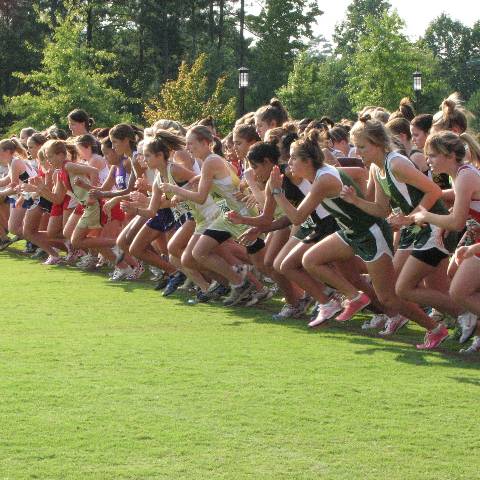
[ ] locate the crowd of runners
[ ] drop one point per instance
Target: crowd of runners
(379, 214)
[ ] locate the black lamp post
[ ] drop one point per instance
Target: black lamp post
(242, 85)
(417, 88)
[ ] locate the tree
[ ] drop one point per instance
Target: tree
(21, 35)
(316, 87)
(455, 46)
(187, 99)
(282, 28)
(380, 70)
(71, 77)
(348, 33)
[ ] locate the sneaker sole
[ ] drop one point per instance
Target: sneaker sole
(324, 320)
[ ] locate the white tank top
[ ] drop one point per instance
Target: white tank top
(305, 188)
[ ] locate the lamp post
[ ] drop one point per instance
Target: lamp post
(242, 85)
(417, 88)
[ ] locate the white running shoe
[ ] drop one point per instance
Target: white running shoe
(52, 260)
(121, 274)
(326, 311)
(377, 321)
(393, 325)
(473, 348)
(287, 311)
(468, 324)
(259, 296)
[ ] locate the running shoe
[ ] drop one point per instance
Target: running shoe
(353, 306)
(29, 248)
(433, 338)
(259, 296)
(377, 321)
(6, 242)
(174, 282)
(473, 348)
(305, 303)
(121, 274)
(287, 311)
(74, 255)
(40, 254)
(53, 260)
(468, 323)
(157, 273)
(162, 282)
(238, 293)
(137, 272)
(326, 311)
(436, 315)
(87, 262)
(393, 325)
(217, 290)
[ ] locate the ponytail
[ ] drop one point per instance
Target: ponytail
(473, 147)
(273, 112)
(309, 148)
(164, 142)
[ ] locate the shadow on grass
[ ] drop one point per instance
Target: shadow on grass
(402, 344)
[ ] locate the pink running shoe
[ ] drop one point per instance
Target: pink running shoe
(433, 338)
(326, 311)
(51, 260)
(393, 325)
(351, 307)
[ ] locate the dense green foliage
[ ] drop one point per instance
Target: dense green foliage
(112, 381)
(132, 51)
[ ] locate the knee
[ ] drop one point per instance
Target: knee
(276, 265)
(134, 250)
(187, 261)
(284, 267)
(307, 263)
(199, 254)
(402, 289)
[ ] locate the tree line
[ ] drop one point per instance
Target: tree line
(133, 59)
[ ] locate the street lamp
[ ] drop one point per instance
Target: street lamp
(417, 87)
(242, 85)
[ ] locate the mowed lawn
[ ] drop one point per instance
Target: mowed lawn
(112, 381)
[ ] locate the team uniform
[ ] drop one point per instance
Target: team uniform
(369, 237)
(426, 243)
(225, 189)
(203, 214)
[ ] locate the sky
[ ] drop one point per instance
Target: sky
(417, 14)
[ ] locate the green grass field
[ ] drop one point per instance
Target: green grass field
(112, 381)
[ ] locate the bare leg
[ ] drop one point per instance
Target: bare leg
(142, 249)
(292, 268)
(409, 287)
